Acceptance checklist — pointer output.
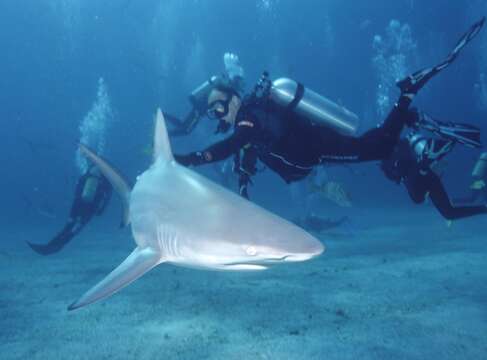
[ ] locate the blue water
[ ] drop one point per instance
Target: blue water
(149, 54)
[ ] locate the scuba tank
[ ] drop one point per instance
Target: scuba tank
(310, 105)
(480, 169)
(428, 151)
(89, 190)
(419, 145)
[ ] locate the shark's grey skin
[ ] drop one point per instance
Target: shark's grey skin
(180, 217)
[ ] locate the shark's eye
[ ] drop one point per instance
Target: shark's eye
(251, 251)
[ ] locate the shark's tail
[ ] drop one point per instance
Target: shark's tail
(135, 265)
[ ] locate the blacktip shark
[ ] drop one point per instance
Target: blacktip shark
(180, 217)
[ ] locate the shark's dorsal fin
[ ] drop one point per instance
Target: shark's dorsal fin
(162, 146)
(117, 181)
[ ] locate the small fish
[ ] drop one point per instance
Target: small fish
(333, 191)
(319, 224)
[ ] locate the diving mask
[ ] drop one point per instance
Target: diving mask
(218, 109)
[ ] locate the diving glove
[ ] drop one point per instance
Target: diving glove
(191, 159)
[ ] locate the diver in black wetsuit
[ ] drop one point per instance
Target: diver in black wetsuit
(93, 192)
(292, 145)
(412, 164)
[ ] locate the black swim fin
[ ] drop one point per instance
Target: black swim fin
(414, 82)
(465, 134)
(45, 249)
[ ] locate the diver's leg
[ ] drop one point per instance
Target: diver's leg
(375, 144)
(440, 199)
(417, 188)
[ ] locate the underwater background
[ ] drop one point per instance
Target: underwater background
(395, 282)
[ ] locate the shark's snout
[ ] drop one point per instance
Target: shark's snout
(311, 252)
(301, 257)
(297, 257)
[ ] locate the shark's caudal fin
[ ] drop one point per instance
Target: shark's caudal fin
(117, 181)
(162, 146)
(135, 265)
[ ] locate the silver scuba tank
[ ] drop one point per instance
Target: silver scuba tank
(419, 145)
(317, 108)
(480, 169)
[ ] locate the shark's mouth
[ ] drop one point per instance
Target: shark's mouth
(260, 264)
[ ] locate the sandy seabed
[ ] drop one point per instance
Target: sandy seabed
(411, 289)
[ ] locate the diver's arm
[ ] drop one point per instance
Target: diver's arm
(183, 127)
(243, 134)
(246, 169)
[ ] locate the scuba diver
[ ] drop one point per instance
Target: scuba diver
(93, 192)
(234, 74)
(292, 129)
(413, 162)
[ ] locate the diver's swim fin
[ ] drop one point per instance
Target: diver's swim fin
(44, 249)
(413, 83)
(55, 245)
(70, 230)
(462, 133)
(465, 134)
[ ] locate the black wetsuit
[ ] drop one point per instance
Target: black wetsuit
(421, 182)
(292, 146)
(85, 206)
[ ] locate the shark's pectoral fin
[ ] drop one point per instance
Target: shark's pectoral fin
(134, 266)
(117, 181)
